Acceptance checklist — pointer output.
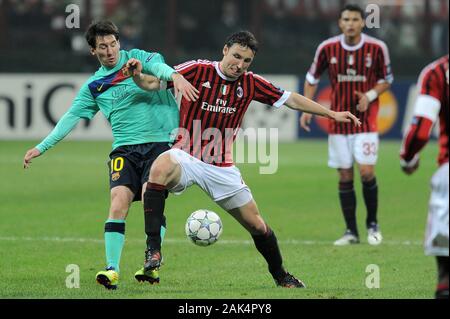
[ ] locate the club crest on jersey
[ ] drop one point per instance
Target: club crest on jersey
(126, 73)
(368, 60)
(224, 89)
(239, 92)
(351, 59)
(333, 60)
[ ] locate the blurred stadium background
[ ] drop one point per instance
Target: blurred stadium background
(34, 39)
(32, 31)
(42, 66)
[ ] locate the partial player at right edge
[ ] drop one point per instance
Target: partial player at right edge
(431, 105)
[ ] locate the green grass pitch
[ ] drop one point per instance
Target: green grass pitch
(53, 215)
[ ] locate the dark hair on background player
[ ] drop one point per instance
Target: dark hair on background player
(100, 28)
(352, 7)
(244, 38)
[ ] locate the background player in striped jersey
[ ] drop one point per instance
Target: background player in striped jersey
(359, 71)
(140, 132)
(202, 154)
(432, 104)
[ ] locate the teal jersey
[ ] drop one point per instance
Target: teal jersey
(136, 116)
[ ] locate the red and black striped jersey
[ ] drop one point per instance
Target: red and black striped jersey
(352, 68)
(208, 127)
(431, 104)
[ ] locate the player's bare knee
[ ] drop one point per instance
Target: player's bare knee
(257, 228)
(120, 202)
(118, 210)
(162, 169)
(367, 175)
(345, 175)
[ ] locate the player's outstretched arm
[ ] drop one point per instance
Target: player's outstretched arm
(64, 126)
(301, 103)
(29, 155)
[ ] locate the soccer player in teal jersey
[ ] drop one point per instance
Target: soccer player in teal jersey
(141, 122)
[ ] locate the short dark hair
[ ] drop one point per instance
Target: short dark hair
(100, 28)
(352, 7)
(244, 38)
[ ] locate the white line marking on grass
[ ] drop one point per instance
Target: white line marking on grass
(294, 242)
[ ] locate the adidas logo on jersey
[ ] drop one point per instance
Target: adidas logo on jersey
(206, 85)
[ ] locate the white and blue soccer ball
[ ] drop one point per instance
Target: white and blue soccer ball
(203, 227)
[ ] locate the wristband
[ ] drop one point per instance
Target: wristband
(371, 95)
(410, 163)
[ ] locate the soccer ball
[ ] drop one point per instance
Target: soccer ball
(203, 227)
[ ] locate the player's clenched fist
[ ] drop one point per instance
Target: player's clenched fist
(134, 67)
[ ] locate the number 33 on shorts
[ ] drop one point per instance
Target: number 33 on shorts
(116, 167)
(370, 148)
(366, 148)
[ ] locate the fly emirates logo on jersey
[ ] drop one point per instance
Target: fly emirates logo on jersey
(351, 76)
(219, 107)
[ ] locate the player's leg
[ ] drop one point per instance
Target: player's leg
(264, 238)
(370, 193)
(437, 230)
(151, 276)
(124, 184)
(443, 278)
(366, 155)
(347, 199)
(121, 199)
(165, 173)
(164, 224)
(340, 157)
(148, 153)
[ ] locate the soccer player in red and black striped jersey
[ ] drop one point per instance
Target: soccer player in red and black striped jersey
(203, 156)
(432, 105)
(359, 71)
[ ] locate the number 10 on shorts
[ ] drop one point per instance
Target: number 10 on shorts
(116, 167)
(116, 164)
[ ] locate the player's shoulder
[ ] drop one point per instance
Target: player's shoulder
(201, 62)
(433, 66)
(195, 64)
(143, 55)
(255, 76)
(374, 41)
(335, 40)
(443, 61)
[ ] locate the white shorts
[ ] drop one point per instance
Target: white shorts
(224, 185)
(343, 150)
(436, 235)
